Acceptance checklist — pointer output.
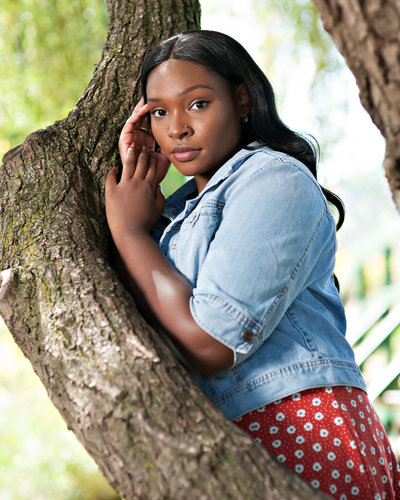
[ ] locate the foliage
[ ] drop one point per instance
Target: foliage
(304, 65)
(295, 27)
(47, 51)
(48, 57)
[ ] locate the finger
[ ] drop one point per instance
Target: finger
(163, 165)
(139, 104)
(139, 111)
(151, 174)
(131, 127)
(142, 164)
(111, 177)
(131, 123)
(145, 122)
(143, 138)
(129, 165)
(160, 198)
(111, 181)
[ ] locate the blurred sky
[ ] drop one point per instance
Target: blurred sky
(235, 18)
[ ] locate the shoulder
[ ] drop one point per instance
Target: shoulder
(265, 161)
(275, 177)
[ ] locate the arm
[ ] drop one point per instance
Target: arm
(133, 207)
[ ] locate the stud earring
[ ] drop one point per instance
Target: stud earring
(245, 119)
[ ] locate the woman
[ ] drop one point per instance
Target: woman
(237, 265)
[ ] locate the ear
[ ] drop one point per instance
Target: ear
(243, 99)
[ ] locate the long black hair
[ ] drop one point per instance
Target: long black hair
(225, 56)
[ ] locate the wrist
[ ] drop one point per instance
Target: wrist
(130, 235)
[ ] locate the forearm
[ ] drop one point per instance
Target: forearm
(167, 294)
(125, 278)
(133, 206)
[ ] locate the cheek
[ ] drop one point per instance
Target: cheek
(228, 132)
(157, 131)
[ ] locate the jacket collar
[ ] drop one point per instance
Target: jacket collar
(176, 202)
(230, 166)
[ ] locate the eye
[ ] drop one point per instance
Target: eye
(158, 113)
(199, 105)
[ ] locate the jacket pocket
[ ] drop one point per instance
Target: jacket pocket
(194, 238)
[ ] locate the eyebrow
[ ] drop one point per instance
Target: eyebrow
(186, 91)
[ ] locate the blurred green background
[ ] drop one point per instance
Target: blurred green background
(48, 50)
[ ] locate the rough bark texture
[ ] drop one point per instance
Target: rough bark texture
(367, 33)
(151, 431)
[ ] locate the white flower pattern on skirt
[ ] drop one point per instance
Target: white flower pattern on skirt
(333, 438)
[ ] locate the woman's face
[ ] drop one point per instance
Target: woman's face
(195, 117)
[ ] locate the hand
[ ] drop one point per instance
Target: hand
(133, 133)
(136, 203)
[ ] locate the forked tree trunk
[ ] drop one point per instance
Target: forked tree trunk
(367, 33)
(151, 431)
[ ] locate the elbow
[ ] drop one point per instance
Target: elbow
(220, 359)
(204, 354)
(202, 369)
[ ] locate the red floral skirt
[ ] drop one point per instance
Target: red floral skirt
(332, 438)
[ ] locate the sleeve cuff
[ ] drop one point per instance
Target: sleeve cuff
(227, 324)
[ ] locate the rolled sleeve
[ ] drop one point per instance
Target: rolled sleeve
(261, 256)
(238, 331)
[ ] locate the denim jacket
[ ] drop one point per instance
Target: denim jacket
(258, 246)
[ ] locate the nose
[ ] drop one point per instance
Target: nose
(180, 130)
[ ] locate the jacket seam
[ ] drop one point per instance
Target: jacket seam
(293, 275)
(295, 325)
(278, 160)
(269, 377)
(242, 318)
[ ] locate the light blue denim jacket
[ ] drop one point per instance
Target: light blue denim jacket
(258, 246)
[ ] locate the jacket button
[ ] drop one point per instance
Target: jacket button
(247, 335)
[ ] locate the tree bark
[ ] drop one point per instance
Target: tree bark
(367, 34)
(152, 432)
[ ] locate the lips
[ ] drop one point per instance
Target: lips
(185, 153)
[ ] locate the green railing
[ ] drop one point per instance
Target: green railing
(373, 329)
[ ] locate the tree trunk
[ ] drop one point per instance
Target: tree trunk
(152, 432)
(367, 34)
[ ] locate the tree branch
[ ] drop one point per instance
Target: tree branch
(152, 432)
(367, 35)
